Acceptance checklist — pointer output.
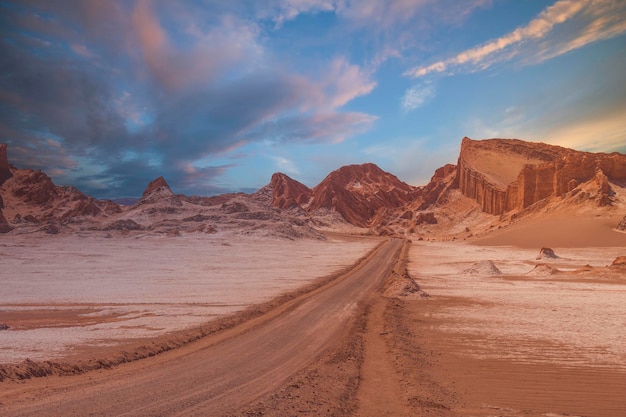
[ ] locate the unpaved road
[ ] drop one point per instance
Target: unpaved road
(217, 375)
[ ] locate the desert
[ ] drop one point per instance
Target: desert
(314, 302)
(331, 208)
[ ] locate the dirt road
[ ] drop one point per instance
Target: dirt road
(219, 374)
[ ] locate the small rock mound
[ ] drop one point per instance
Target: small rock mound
(486, 268)
(402, 285)
(619, 263)
(546, 253)
(543, 270)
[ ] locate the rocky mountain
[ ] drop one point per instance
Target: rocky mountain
(29, 197)
(361, 193)
(288, 193)
(504, 175)
(495, 183)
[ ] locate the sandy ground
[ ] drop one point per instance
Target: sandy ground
(63, 294)
(520, 342)
(490, 339)
(221, 373)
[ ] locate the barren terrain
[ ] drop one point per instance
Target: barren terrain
(64, 294)
(219, 374)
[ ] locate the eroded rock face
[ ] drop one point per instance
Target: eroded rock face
(439, 183)
(156, 185)
(4, 225)
(5, 172)
(509, 174)
(360, 192)
(34, 187)
(288, 193)
(158, 192)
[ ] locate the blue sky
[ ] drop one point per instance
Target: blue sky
(218, 95)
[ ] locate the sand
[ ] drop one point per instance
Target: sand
(469, 330)
(62, 294)
(523, 344)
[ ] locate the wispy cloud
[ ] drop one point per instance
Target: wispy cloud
(417, 96)
(592, 20)
(285, 165)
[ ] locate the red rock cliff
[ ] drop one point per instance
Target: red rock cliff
(508, 174)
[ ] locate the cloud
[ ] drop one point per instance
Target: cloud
(286, 165)
(417, 96)
(224, 47)
(109, 95)
(539, 40)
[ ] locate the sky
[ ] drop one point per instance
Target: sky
(216, 95)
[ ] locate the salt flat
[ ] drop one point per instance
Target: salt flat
(62, 292)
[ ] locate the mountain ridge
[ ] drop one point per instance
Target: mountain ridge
(506, 178)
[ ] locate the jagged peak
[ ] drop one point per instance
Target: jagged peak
(287, 192)
(158, 184)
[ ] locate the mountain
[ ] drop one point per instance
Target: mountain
(288, 193)
(496, 183)
(360, 193)
(29, 197)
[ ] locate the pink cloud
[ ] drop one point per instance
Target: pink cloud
(597, 20)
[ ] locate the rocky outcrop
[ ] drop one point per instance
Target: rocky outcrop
(288, 193)
(158, 192)
(439, 183)
(34, 187)
(546, 253)
(360, 192)
(158, 185)
(508, 174)
(622, 225)
(4, 225)
(619, 263)
(5, 171)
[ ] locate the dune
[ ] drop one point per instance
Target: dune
(562, 230)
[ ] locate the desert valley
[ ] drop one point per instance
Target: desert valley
(497, 289)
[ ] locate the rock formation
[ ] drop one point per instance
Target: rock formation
(483, 268)
(158, 192)
(5, 171)
(619, 263)
(509, 174)
(546, 253)
(288, 193)
(360, 192)
(158, 185)
(4, 224)
(439, 183)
